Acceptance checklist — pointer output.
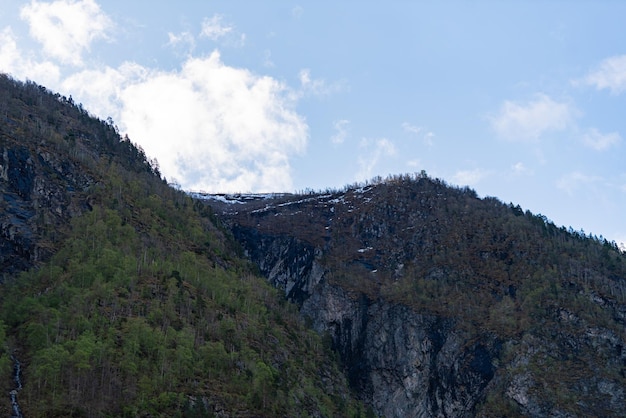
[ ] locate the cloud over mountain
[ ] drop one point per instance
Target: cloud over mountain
(529, 121)
(233, 130)
(211, 126)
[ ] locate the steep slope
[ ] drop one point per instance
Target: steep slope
(123, 297)
(443, 304)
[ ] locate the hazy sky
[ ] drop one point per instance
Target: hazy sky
(525, 101)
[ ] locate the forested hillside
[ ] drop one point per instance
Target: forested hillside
(122, 296)
(401, 297)
(444, 304)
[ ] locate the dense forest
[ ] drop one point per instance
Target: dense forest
(122, 296)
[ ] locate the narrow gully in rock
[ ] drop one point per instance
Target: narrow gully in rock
(16, 412)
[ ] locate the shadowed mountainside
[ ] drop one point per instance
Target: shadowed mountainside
(443, 304)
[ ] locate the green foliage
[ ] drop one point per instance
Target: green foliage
(144, 308)
(5, 355)
(117, 322)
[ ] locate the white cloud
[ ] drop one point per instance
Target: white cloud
(610, 74)
(21, 65)
(185, 40)
(341, 131)
(412, 128)
(9, 54)
(66, 28)
(211, 126)
(373, 151)
(469, 177)
(305, 78)
(216, 128)
(316, 87)
(599, 141)
(571, 182)
(213, 28)
(529, 121)
(520, 169)
(102, 89)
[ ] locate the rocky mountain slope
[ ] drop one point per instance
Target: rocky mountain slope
(443, 304)
(121, 296)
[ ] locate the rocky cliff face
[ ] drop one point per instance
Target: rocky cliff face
(36, 204)
(52, 155)
(404, 364)
(422, 335)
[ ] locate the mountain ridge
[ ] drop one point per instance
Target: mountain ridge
(474, 277)
(123, 296)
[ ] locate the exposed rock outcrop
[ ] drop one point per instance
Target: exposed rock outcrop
(40, 193)
(403, 364)
(438, 307)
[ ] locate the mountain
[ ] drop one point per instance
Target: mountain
(401, 297)
(440, 303)
(122, 296)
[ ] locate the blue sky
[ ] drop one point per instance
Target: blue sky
(524, 101)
